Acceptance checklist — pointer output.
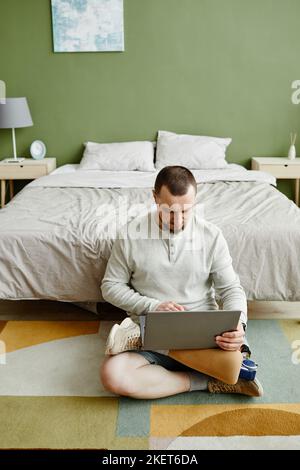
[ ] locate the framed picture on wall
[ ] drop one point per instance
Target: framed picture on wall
(87, 25)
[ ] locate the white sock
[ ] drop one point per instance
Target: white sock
(198, 380)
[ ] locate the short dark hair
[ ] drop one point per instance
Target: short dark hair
(176, 178)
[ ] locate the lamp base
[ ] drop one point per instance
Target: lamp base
(14, 160)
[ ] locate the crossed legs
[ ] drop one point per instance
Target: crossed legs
(130, 374)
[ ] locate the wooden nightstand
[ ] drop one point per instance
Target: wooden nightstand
(29, 169)
(281, 168)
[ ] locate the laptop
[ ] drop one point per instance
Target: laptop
(185, 329)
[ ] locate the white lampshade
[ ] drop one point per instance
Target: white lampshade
(15, 113)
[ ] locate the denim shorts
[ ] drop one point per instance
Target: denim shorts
(159, 359)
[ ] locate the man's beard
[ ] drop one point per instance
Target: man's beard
(166, 226)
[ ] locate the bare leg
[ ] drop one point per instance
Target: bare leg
(131, 375)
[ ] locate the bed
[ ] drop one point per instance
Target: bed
(50, 234)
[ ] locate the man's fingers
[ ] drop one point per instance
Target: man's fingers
(237, 339)
(230, 334)
(233, 334)
(180, 307)
(228, 346)
(170, 306)
(177, 306)
(219, 339)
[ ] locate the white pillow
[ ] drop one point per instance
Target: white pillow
(192, 151)
(118, 156)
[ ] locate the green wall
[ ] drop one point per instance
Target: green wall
(216, 67)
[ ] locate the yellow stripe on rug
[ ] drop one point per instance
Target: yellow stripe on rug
(21, 334)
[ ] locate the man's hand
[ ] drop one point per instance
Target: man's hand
(169, 306)
(233, 340)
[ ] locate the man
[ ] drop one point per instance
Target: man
(180, 269)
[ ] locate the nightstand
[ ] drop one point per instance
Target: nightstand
(29, 169)
(281, 168)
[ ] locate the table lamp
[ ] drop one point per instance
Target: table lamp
(14, 113)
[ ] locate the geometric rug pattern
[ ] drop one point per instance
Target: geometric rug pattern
(51, 396)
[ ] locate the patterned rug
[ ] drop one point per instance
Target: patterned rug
(51, 397)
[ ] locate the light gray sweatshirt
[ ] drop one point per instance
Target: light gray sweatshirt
(148, 266)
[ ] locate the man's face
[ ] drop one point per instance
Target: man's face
(174, 211)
